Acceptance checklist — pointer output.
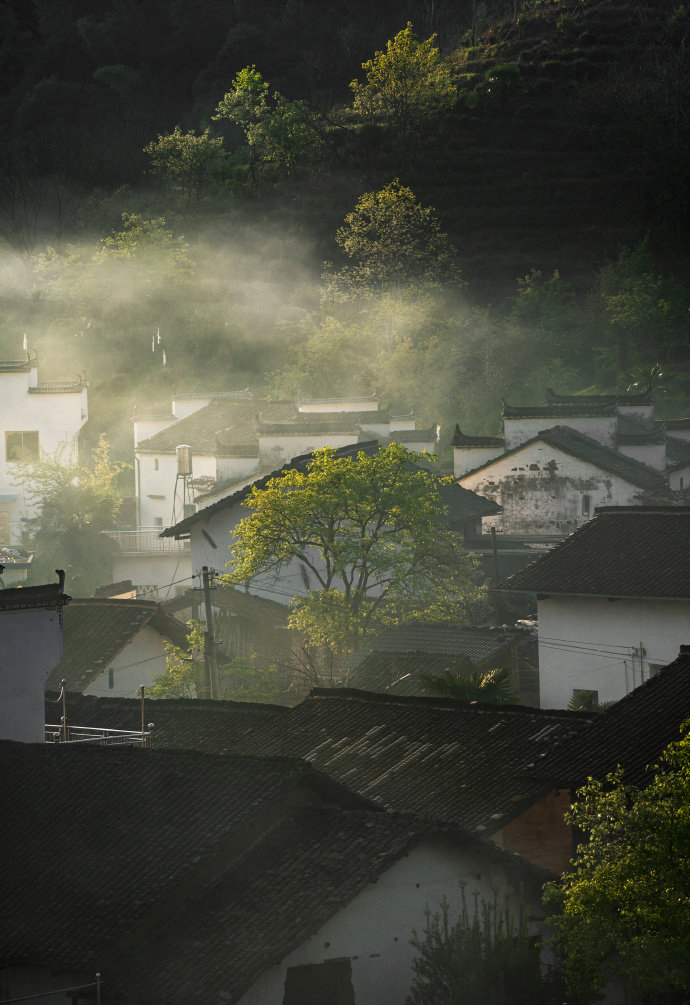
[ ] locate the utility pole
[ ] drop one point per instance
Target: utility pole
(209, 640)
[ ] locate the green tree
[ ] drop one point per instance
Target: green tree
(625, 907)
(241, 679)
(187, 162)
(394, 245)
(277, 131)
(369, 533)
(405, 83)
(485, 957)
(75, 503)
(493, 686)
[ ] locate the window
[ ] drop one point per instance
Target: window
(584, 700)
(155, 464)
(586, 505)
(111, 678)
(21, 446)
(158, 521)
(316, 983)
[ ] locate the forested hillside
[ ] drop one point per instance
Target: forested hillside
(447, 203)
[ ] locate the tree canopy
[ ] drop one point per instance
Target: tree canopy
(405, 82)
(75, 504)
(369, 533)
(625, 908)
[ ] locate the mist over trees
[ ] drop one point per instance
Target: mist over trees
(446, 204)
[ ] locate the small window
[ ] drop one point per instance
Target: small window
(586, 505)
(155, 464)
(111, 678)
(21, 446)
(158, 521)
(681, 481)
(583, 700)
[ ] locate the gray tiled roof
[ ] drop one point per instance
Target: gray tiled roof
(476, 644)
(645, 397)
(96, 629)
(461, 440)
(576, 444)
(623, 552)
(234, 420)
(584, 409)
(443, 760)
(677, 453)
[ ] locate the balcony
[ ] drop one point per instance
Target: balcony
(145, 541)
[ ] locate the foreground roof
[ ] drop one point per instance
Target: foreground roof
(440, 759)
(96, 629)
(631, 551)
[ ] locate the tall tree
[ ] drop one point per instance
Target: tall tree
(369, 531)
(75, 505)
(187, 162)
(625, 908)
(405, 83)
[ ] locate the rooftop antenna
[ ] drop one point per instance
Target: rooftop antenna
(183, 499)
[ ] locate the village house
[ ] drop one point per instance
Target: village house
(185, 878)
(613, 602)
(41, 417)
(114, 646)
(31, 632)
(209, 445)
(210, 529)
(556, 463)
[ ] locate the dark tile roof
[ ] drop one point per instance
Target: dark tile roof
(623, 552)
(400, 672)
(21, 598)
(461, 440)
(231, 420)
(105, 839)
(631, 430)
(339, 401)
(645, 397)
(96, 629)
(677, 424)
(576, 444)
(677, 453)
(443, 760)
(59, 387)
(214, 727)
(476, 644)
(632, 733)
(559, 411)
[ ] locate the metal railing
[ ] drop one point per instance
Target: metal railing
(56, 733)
(146, 539)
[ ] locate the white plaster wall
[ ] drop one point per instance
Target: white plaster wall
(182, 407)
(468, 458)
(519, 430)
(58, 419)
(541, 490)
(137, 663)
(284, 448)
(653, 454)
(161, 485)
(236, 467)
(640, 411)
(145, 428)
(220, 528)
(374, 930)
(161, 569)
(601, 635)
(31, 648)
(399, 424)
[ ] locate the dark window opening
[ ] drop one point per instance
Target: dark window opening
(320, 983)
(21, 446)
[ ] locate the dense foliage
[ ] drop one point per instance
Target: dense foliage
(485, 956)
(369, 534)
(188, 168)
(625, 909)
